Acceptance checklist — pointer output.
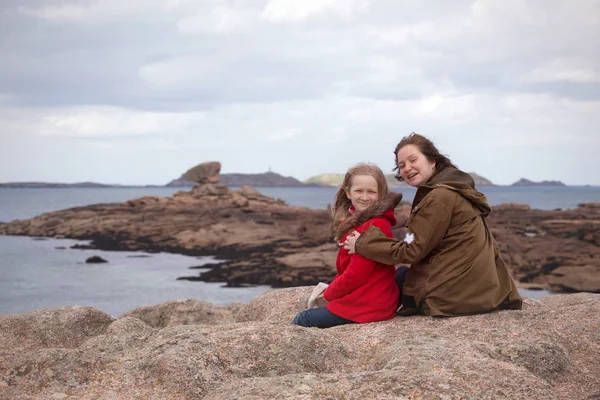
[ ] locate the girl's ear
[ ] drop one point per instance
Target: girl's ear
(347, 194)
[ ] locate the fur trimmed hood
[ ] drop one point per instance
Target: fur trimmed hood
(390, 201)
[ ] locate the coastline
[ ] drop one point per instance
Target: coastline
(259, 240)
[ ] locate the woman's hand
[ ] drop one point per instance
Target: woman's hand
(350, 242)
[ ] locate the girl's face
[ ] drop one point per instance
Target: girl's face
(415, 168)
(363, 192)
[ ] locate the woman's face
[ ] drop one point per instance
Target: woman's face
(415, 168)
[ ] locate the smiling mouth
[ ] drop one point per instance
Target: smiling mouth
(412, 175)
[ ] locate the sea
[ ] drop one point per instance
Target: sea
(39, 273)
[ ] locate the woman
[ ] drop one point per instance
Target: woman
(456, 267)
(363, 290)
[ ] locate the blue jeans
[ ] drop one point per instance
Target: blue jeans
(319, 318)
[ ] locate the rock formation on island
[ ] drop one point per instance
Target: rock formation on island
(267, 179)
(527, 182)
(190, 349)
(480, 180)
(265, 241)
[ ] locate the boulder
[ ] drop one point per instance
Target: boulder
(548, 350)
(584, 278)
(52, 327)
(95, 260)
(207, 172)
(181, 312)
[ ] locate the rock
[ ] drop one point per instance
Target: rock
(589, 205)
(210, 189)
(181, 312)
(95, 260)
(548, 350)
(480, 180)
(63, 327)
(512, 206)
(585, 278)
(207, 172)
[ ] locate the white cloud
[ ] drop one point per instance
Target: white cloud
(285, 11)
(107, 122)
(564, 70)
(221, 19)
(86, 11)
(284, 135)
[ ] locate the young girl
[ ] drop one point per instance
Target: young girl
(363, 290)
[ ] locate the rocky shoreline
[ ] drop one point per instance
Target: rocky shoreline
(190, 349)
(261, 240)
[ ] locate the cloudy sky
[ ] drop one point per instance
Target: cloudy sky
(138, 91)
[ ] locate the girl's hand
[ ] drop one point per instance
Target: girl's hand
(350, 242)
(321, 300)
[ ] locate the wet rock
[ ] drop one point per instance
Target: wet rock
(95, 260)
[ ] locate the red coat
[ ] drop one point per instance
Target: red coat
(364, 290)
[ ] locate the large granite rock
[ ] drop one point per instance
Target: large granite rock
(549, 350)
(207, 172)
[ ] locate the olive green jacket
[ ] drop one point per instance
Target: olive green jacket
(456, 266)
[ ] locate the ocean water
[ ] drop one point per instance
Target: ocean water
(47, 273)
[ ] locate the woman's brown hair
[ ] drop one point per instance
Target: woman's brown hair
(342, 203)
(427, 148)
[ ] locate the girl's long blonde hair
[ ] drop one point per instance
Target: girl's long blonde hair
(342, 203)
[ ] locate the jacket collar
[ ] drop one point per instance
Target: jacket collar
(384, 207)
(458, 181)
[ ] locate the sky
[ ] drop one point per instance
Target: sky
(138, 91)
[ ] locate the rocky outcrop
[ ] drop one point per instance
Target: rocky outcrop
(549, 350)
(207, 172)
(266, 241)
(480, 180)
(259, 236)
(266, 179)
(557, 250)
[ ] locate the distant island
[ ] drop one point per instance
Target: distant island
(54, 185)
(267, 179)
(527, 182)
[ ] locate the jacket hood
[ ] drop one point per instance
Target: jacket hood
(383, 208)
(459, 181)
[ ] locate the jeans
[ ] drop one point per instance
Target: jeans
(319, 318)
(407, 305)
(401, 276)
